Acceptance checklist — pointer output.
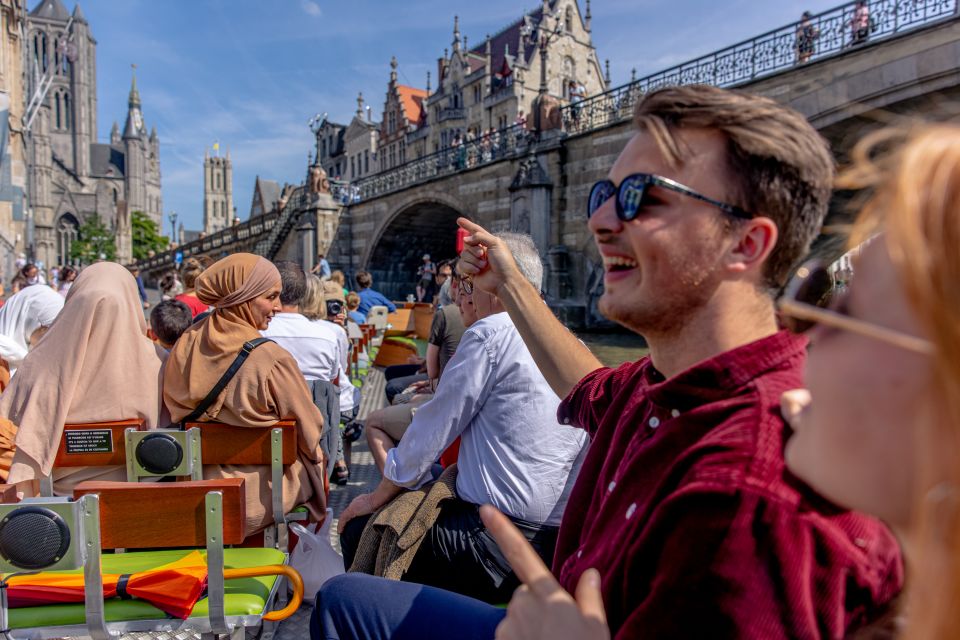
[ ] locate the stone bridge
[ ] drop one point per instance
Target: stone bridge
(538, 182)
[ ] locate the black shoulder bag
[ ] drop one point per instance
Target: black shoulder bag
(224, 380)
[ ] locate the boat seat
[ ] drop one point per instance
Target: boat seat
(206, 513)
(242, 597)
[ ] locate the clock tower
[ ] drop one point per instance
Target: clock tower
(135, 142)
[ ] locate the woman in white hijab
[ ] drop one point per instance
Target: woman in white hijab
(24, 319)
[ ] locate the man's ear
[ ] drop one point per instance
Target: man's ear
(152, 335)
(755, 240)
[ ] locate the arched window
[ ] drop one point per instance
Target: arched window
(568, 21)
(57, 107)
(67, 231)
(67, 114)
(569, 75)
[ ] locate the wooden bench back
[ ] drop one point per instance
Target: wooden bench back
(229, 444)
(96, 444)
(152, 515)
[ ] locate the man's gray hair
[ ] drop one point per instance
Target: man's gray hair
(526, 256)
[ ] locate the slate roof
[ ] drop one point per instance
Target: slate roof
(269, 193)
(51, 10)
(104, 157)
(510, 36)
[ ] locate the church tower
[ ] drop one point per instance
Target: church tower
(217, 192)
(135, 142)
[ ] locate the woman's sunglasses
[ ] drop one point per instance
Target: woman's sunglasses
(810, 299)
(632, 193)
(334, 307)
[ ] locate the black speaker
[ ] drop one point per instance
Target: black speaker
(159, 453)
(33, 537)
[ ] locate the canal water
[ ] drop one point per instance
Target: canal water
(613, 348)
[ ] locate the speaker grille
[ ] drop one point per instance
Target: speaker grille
(159, 453)
(33, 537)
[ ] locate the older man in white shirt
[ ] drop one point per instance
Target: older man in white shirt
(513, 453)
(314, 345)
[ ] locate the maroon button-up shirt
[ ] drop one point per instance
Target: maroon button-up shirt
(685, 507)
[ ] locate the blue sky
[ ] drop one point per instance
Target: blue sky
(250, 73)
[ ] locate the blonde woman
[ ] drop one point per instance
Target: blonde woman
(882, 433)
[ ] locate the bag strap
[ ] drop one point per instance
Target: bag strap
(224, 380)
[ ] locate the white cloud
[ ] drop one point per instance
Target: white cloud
(311, 8)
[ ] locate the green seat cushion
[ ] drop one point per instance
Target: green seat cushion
(246, 596)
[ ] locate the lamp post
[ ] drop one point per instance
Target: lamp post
(172, 216)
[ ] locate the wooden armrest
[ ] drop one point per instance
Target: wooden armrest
(96, 444)
(149, 515)
(229, 444)
(8, 494)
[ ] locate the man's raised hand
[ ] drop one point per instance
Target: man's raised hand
(485, 259)
(540, 609)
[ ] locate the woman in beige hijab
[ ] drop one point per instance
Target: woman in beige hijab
(245, 291)
(95, 364)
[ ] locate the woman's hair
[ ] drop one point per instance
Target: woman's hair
(338, 277)
(914, 179)
(190, 271)
(68, 274)
(313, 305)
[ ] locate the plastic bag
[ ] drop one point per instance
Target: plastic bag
(314, 557)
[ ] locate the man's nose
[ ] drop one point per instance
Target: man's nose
(605, 220)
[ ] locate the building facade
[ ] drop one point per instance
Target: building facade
(13, 172)
(402, 111)
(360, 143)
(217, 192)
(330, 148)
(72, 177)
(494, 85)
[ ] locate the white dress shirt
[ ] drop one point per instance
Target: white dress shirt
(314, 346)
(349, 394)
(513, 452)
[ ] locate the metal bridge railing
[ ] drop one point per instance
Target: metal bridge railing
(484, 149)
(788, 47)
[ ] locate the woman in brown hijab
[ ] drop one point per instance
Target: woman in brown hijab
(94, 364)
(245, 291)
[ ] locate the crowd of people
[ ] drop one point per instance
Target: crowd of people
(780, 465)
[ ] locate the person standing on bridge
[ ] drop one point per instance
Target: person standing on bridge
(807, 36)
(860, 22)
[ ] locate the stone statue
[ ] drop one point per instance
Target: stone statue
(319, 184)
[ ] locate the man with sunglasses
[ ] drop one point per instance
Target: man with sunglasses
(684, 522)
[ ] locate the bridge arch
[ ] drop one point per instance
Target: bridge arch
(420, 225)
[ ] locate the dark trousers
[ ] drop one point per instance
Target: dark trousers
(459, 555)
(398, 384)
(355, 605)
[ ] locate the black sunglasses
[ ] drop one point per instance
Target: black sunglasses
(633, 189)
(334, 307)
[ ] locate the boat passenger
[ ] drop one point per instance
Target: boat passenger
(244, 289)
(95, 364)
(168, 320)
(884, 370)
(513, 453)
(24, 319)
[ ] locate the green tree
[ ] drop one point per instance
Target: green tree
(95, 241)
(146, 236)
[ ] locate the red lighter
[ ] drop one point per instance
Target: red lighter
(461, 236)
